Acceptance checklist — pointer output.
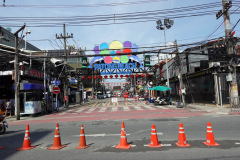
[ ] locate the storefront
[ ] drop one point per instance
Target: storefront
(32, 98)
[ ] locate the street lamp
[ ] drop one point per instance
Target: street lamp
(27, 32)
(25, 47)
(162, 26)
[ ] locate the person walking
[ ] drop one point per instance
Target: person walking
(8, 108)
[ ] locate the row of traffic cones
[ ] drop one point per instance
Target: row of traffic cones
(182, 142)
(210, 141)
(56, 143)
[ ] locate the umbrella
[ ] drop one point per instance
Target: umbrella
(160, 88)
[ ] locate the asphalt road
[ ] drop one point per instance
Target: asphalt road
(103, 135)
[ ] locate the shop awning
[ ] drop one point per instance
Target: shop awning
(29, 86)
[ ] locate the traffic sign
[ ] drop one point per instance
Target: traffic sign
(56, 82)
(56, 90)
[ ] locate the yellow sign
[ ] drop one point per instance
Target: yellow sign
(73, 85)
(88, 89)
(235, 87)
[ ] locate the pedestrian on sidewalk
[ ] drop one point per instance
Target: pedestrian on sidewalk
(8, 108)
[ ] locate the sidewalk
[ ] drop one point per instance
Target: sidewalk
(212, 108)
(61, 109)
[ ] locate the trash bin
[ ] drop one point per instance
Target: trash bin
(179, 104)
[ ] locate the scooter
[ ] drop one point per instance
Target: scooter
(3, 125)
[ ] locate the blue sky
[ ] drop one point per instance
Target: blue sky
(184, 30)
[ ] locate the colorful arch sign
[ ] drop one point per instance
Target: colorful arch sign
(113, 61)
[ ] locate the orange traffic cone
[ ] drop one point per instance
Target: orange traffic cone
(57, 140)
(26, 140)
(182, 142)
(154, 138)
(123, 139)
(210, 136)
(123, 126)
(82, 141)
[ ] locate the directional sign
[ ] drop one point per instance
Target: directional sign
(57, 82)
(56, 90)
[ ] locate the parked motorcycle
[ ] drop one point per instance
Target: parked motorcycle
(3, 125)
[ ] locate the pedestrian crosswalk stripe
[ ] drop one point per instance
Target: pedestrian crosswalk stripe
(126, 109)
(138, 108)
(90, 110)
(80, 110)
(103, 109)
(104, 104)
(161, 107)
(98, 104)
(94, 104)
(148, 107)
(114, 109)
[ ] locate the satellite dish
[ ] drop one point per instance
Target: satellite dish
(9, 29)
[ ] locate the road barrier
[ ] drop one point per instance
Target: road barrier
(123, 139)
(26, 140)
(210, 137)
(182, 142)
(154, 138)
(57, 140)
(82, 140)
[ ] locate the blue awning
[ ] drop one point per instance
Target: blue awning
(29, 86)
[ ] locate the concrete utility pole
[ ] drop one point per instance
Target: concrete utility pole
(233, 89)
(180, 74)
(16, 75)
(64, 37)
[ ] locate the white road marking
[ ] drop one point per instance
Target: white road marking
(100, 135)
(148, 107)
(138, 108)
(90, 110)
(126, 109)
(114, 109)
(103, 109)
(78, 111)
(237, 143)
(131, 146)
(161, 107)
(62, 113)
(163, 145)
